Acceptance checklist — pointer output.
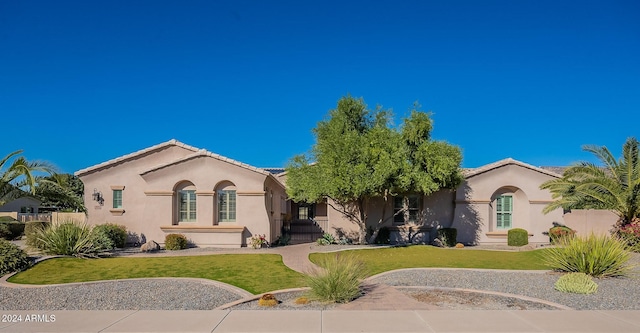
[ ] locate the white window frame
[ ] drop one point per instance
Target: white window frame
(190, 214)
(227, 205)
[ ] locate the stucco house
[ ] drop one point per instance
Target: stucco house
(175, 188)
(216, 201)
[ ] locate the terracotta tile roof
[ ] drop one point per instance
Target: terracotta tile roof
(133, 155)
(196, 153)
(507, 161)
(203, 152)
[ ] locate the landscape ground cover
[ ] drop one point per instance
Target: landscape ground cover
(382, 260)
(256, 273)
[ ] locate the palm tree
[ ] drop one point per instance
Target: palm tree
(20, 176)
(614, 186)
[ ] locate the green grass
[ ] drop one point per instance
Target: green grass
(382, 260)
(256, 273)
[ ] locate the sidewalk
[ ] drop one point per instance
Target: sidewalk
(323, 321)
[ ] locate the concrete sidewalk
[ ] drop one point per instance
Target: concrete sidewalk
(320, 321)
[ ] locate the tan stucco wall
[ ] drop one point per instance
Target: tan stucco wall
(149, 199)
(475, 214)
(437, 212)
(586, 222)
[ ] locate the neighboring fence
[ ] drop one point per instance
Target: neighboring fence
(590, 221)
(54, 217)
(27, 217)
(68, 217)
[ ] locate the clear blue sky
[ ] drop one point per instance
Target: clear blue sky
(82, 82)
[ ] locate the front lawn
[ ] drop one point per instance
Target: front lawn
(386, 259)
(256, 273)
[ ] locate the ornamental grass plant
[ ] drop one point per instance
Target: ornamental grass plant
(71, 239)
(338, 278)
(595, 255)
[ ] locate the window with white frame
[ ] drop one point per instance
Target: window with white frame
(187, 205)
(504, 212)
(412, 207)
(227, 205)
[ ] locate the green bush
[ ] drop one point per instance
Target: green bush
(30, 232)
(578, 283)
(175, 242)
(7, 219)
(517, 237)
(116, 233)
(12, 258)
(596, 255)
(11, 230)
(338, 278)
(384, 236)
(558, 232)
(448, 236)
(70, 238)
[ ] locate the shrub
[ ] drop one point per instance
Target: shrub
(12, 258)
(7, 219)
(268, 300)
(448, 236)
(326, 239)
(31, 229)
(338, 279)
(175, 242)
(558, 232)
(459, 245)
(329, 237)
(384, 236)
(11, 230)
(596, 255)
(283, 240)
(116, 233)
(630, 234)
(517, 237)
(322, 241)
(578, 283)
(70, 238)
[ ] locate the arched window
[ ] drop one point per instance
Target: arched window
(226, 202)
(186, 205)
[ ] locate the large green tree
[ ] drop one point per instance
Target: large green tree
(614, 185)
(18, 177)
(359, 156)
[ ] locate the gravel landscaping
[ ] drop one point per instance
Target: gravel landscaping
(139, 294)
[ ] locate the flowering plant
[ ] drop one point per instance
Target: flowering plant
(630, 233)
(258, 241)
(560, 232)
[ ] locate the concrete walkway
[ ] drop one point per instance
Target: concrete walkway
(320, 321)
